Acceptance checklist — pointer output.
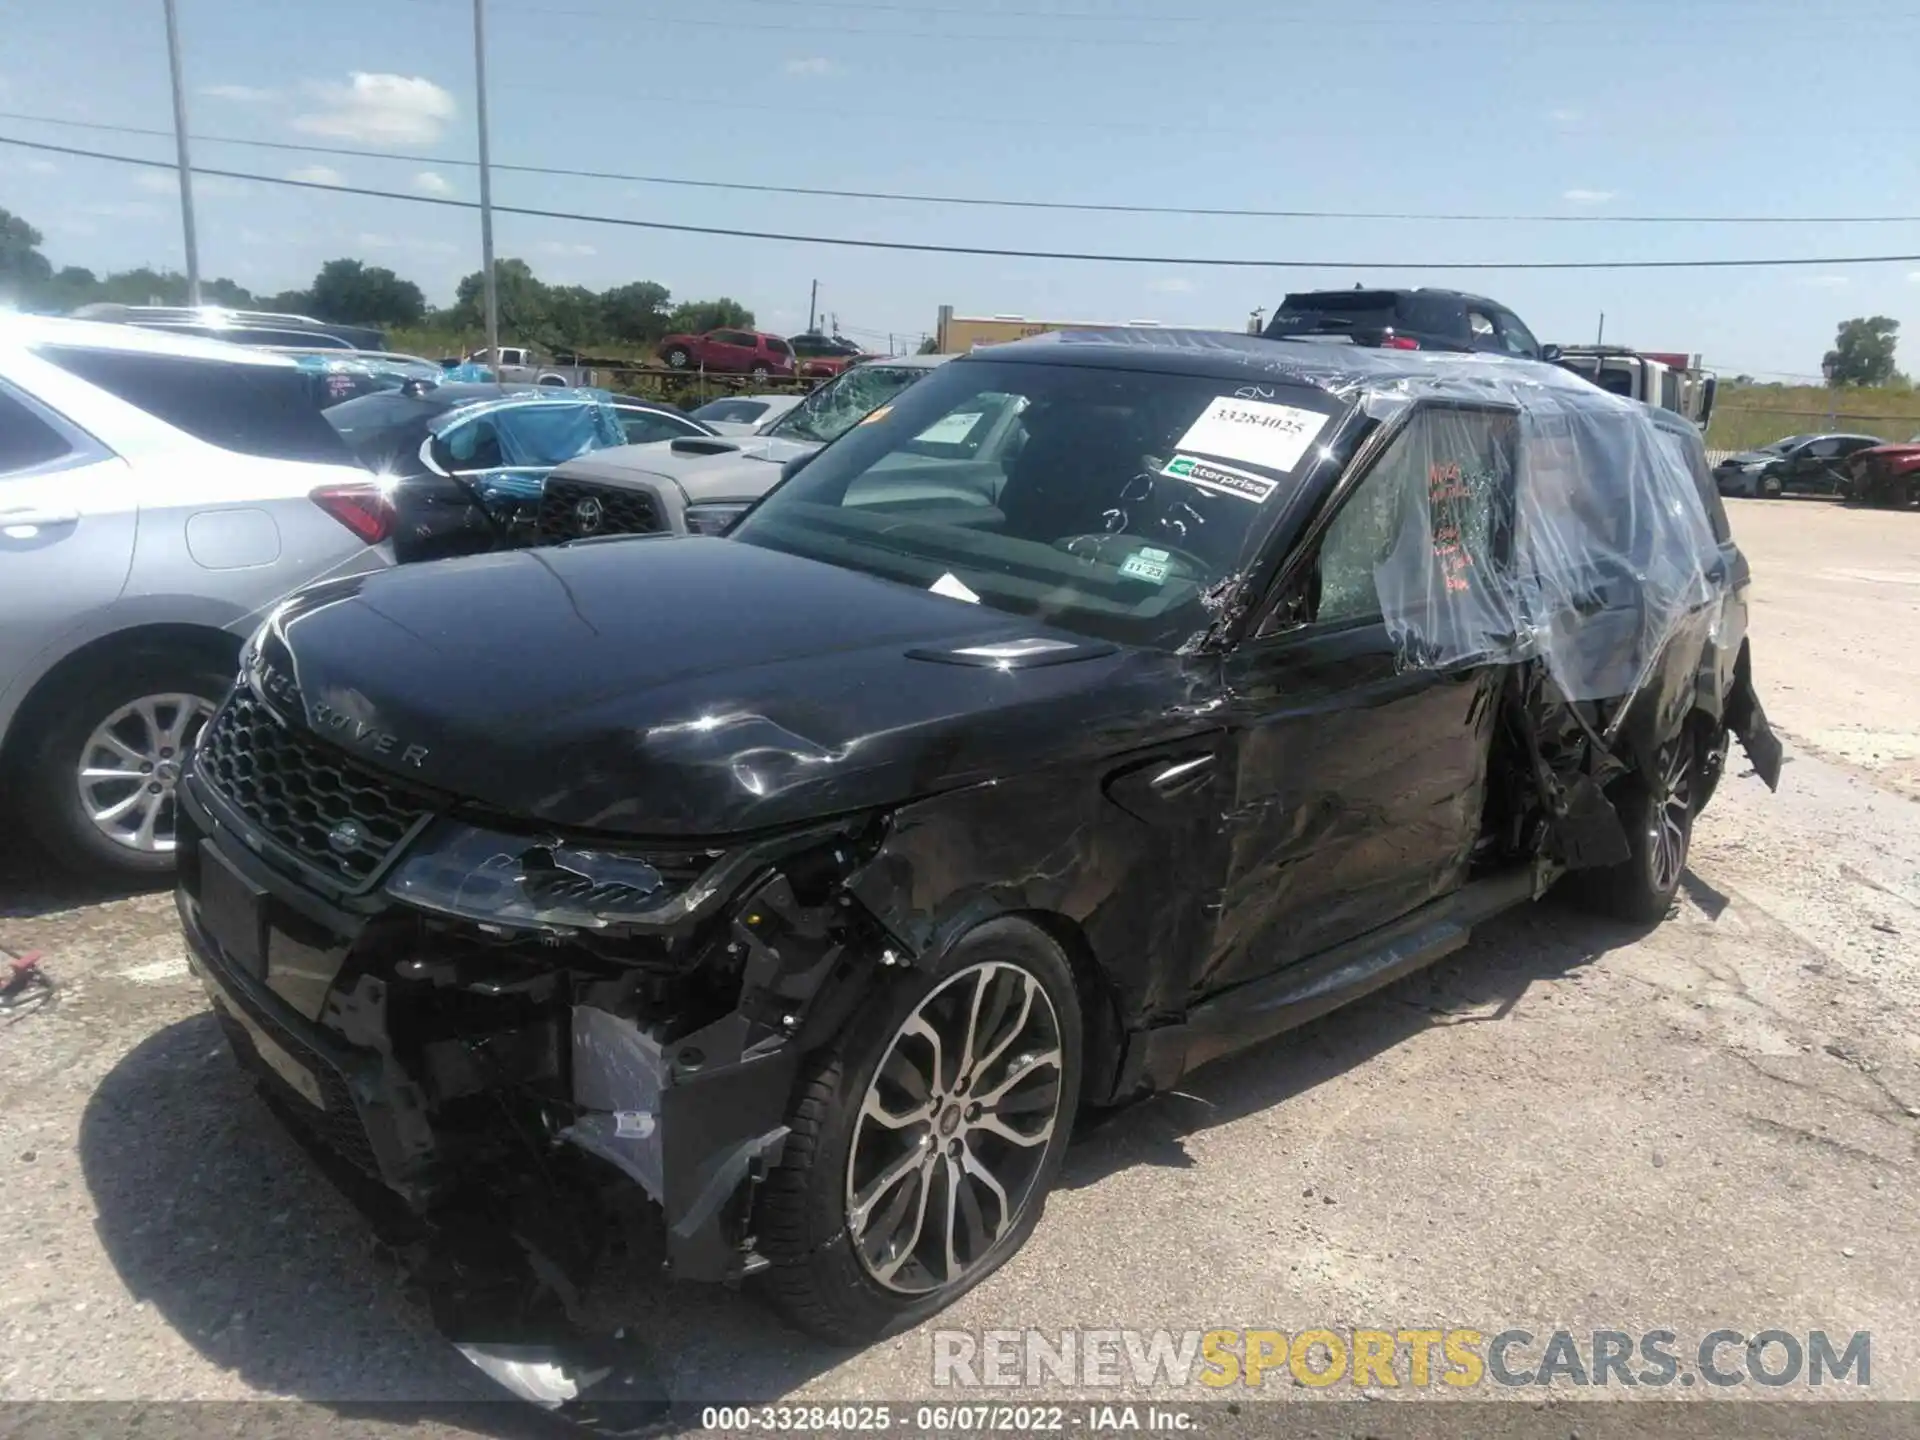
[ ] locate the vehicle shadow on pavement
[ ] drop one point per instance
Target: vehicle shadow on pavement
(1480, 984)
(32, 885)
(212, 1213)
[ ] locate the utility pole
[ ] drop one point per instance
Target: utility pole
(186, 166)
(492, 291)
(813, 300)
(1600, 338)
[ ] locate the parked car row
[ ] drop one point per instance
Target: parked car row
(163, 489)
(763, 356)
(1809, 464)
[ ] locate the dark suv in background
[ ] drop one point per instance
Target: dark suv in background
(1407, 320)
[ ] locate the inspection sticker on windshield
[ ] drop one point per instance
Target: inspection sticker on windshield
(1223, 479)
(1150, 565)
(1256, 431)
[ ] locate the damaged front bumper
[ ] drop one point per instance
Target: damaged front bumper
(541, 1057)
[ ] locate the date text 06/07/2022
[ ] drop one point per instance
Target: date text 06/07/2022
(939, 1419)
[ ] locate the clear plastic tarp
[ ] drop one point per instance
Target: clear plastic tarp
(347, 375)
(505, 447)
(1536, 516)
(1516, 511)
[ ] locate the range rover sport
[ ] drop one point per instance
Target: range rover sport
(804, 884)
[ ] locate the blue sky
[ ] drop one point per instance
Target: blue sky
(1571, 107)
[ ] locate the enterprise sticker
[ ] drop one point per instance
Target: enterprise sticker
(1222, 479)
(1256, 431)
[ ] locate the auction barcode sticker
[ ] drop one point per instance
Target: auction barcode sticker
(1256, 431)
(1222, 479)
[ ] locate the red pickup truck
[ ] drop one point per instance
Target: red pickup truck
(730, 352)
(1886, 475)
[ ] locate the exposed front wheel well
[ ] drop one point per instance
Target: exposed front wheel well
(1104, 1035)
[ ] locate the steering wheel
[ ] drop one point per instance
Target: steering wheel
(1110, 549)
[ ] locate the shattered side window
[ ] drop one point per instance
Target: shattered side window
(1609, 555)
(1425, 535)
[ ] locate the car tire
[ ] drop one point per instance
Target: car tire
(134, 711)
(865, 1239)
(1769, 487)
(679, 358)
(761, 374)
(1657, 813)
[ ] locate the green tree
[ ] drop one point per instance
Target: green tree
(353, 292)
(1862, 352)
(522, 299)
(575, 319)
(929, 346)
(696, 317)
(70, 287)
(23, 269)
(635, 313)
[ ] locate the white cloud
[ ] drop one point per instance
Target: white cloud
(1588, 197)
(1172, 285)
(1565, 117)
(563, 247)
(428, 182)
(41, 167)
(167, 182)
(1913, 277)
(65, 226)
(124, 209)
(1826, 282)
(317, 175)
(239, 94)
(811, 65)
(377, 109)
(371, 241)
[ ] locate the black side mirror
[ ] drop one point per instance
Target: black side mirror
(1552, 354)
(794, 466)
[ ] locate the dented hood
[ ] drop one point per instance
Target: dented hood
(689, 687)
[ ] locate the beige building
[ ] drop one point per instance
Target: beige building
(957, 334)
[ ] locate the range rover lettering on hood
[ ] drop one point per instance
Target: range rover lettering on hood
(279, 687)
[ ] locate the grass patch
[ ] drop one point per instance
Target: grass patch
(1749, 415)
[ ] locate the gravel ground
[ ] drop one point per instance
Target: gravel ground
(1567, 1125)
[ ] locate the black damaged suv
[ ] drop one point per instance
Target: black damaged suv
(807, 882)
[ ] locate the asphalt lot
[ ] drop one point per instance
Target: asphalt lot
(1567, 1125)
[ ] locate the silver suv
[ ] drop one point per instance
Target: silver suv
(158, 493)
(701, 485)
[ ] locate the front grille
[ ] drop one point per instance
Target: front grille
(577, 509)
(340, 817)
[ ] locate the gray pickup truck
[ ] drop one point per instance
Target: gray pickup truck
(521, 364)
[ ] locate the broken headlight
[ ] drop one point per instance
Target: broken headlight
(517, 882)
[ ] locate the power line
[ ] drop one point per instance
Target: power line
(925, 248)
(1334, 19)
(991, 202)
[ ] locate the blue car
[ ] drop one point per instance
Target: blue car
(465, 464)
